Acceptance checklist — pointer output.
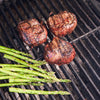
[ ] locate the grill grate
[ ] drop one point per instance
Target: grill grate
(84, 70)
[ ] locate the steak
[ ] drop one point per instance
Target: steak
(59, 52)
(32, 32)
(62, 23)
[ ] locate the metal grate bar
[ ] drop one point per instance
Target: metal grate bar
(22, 96)
(11, 14)
(81, 81)
(2, 37)
(53, 6)
(16, 9)
(13, 31)
(86, 72)
(89, 12)
(57, 88)
(69, 77)
(31, 7)
(84, 83)
(2, 97)
(97, 37)
(79, 16)
(80, 95)
(24, 9)
(98, 66)
(91, 20)
(92, 15)
(32, 97)
(41, 11)
(97, 28)
(89, 52)
(60, 76)
(60, 5)
(42, 97)
(86, 36)
(48, 10)
(47, 88)
(83, 15)
(91, 69)
(5, 32)
(84, 24)
(93, 8)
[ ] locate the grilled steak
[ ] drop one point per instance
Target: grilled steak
(59, 52)
(32, 32)
(62, 23)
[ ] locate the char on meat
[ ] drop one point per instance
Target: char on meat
(32, 32)
(62, 23)
(59, 52)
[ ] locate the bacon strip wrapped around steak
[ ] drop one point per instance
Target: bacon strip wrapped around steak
(62, 23)
(32, 32)
(59, 52)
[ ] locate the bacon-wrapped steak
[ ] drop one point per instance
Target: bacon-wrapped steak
(62, 23)
(32, 32)
(59, 52)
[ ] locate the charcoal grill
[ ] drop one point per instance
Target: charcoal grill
(84, 70)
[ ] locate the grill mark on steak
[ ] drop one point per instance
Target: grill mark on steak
(59, 52)
(66, 46)
(32, 32)
(59, 48)
(26, 39)
(62, 23)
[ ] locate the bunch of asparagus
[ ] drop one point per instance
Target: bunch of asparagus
(21, 74)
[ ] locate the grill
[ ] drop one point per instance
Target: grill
(84, 70)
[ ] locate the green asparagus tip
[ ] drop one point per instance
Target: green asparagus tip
(64, 80)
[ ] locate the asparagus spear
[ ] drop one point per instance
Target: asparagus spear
(22, 57)
(24, 63)
(2, 74)
(25, 77)
(15, 51)
(13, 84)
(5, 77)
(43, 80)
(27, 91)
(30, 72)
(30, 80)
(38, 74)
(12, 65)
(23, 66)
